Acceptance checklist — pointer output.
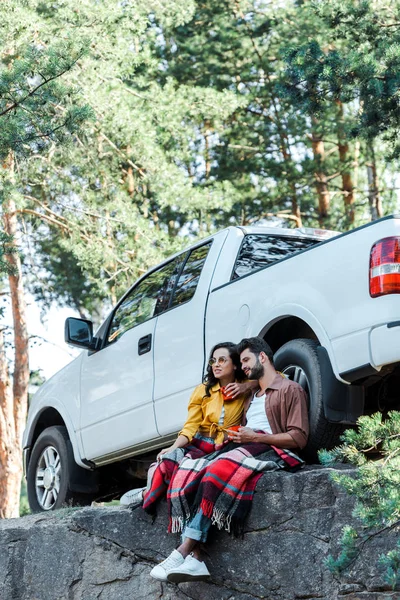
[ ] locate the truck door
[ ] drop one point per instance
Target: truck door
(117, 409)
(179, 337)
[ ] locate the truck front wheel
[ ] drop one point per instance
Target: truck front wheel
(298, 359)
(49, 472)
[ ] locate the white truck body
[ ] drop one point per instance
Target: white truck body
(116, 403)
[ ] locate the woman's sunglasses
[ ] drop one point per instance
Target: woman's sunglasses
(219, 361)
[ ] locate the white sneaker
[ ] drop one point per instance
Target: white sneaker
(191, 570)
(132, 497)
(161, 571)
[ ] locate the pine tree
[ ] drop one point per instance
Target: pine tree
(374, 448)
(34, 111)
(356, 66)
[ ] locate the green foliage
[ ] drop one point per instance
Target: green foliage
(357, 61)
(374, 448)
(33, 111)
(391, 561)
(6, 247)
(24, 504)
(349, 551)
(198, 123)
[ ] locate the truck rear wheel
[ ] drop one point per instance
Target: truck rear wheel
(298, 359)
(49, 472)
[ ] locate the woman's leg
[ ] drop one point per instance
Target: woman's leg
(193, 568)
(158, 478)
(194, 534)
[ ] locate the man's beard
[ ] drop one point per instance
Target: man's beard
(257, 371)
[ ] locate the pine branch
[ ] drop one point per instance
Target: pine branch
(34, 91)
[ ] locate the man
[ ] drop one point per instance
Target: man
(279, 407)
(275, 421)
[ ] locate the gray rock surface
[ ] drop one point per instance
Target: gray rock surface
(107, 553)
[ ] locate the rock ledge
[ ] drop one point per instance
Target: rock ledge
(107, 553)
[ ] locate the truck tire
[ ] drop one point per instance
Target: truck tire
(49, 473)
(298, 359)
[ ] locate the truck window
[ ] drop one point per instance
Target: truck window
(147, 299)
(260, 250)
(190, 275)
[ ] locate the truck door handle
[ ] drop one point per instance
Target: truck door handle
(144, 344)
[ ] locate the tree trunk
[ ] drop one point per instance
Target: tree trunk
(347, 183)
(293, 191)
(10, 463)
(113, 266)
(375, 202)
(14, 405)
(287, 157)
(356, 165)
(320, 178)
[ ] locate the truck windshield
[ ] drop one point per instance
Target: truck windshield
(260, 250)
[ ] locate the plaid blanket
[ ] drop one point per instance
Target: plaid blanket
(161, 473)
(220, 482)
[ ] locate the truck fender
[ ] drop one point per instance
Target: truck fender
(342, 403)
(72, 434)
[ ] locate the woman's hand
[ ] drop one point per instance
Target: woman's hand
(164, 451)
(180, 442)
(243, 436)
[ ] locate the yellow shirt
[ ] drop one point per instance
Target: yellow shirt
(204, 413)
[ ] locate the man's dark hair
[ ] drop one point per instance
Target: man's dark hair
(256, 345)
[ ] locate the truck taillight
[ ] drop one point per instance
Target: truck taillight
(384, 267)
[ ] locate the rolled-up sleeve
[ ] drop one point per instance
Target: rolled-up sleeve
(297, 425)
(195, 413)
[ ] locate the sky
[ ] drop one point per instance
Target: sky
(51, 353)
(48, 351)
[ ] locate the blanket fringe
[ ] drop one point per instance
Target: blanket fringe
(176, 524)
(221, 520)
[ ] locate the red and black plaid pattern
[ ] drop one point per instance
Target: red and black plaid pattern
(222, 484)
(161, 473)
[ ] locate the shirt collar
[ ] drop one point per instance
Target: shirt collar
(277, 382)
(216, 387)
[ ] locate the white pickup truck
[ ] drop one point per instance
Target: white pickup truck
(328, 306)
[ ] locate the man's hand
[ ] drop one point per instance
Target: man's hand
(233, 390)
(243, 436)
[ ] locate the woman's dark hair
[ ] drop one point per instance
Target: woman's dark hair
(210, 380)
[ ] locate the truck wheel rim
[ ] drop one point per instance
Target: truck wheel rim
(47, 478)
(297, 374)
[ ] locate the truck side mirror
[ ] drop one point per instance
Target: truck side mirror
(79, 332)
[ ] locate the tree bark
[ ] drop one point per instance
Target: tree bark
(375, 202)
(347, 183)
(285, 149)
(9, 475)
(14, 405)
(320, 177)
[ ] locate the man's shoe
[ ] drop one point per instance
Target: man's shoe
(132, 497)
(172, 561)
(191, 570)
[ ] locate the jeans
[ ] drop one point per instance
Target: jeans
(197, 528)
